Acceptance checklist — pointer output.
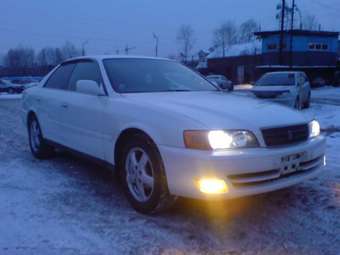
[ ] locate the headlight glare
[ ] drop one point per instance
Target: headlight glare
(219, 139)
(314, 129)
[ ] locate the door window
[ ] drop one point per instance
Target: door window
(85, 71)
(60, 78)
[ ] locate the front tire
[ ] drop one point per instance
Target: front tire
(143, 176)
(38, 145)
(298, 104)
(307, 103)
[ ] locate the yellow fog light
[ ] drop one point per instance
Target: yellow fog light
(212, 186)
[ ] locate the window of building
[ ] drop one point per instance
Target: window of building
(318, 46)
(272, 46)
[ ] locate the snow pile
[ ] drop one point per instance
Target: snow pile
(5, 96)
(325, 108)
(243, 49)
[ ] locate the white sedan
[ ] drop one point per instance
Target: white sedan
(292, 88)
(169, 132)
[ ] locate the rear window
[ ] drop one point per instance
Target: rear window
(60, 78)
(277, 79)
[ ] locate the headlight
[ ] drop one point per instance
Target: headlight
(219, 139)
(314, 129)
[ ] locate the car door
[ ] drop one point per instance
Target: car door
(83, 113)
(49, 103)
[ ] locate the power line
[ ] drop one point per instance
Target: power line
(156, 42)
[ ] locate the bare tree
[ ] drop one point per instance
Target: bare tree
(70, 51)
(225, 35)
(310, 22)
(41, 58)
(49, 57)
(58, 56)
(185, 37)
(247, 30)
(20, 57)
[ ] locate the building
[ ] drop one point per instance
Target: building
(314, 52)
(238, 63)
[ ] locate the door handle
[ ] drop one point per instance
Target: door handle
(64, 105)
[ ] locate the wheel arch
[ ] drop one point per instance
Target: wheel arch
(30, 114)
(125, 135)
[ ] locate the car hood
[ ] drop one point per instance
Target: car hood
(271, 91)
(216, 110)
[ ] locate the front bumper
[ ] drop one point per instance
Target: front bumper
(246, 172)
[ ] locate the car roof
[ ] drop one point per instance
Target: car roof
(102, 57)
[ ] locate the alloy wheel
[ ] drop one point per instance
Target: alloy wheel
(35, 135)
(139, 174)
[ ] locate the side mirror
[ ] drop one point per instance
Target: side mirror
(89, 87)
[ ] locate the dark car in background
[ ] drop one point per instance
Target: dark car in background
(221, 81)
(10, 88)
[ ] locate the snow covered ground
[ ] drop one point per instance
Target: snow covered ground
(70, 206)
(5, 96)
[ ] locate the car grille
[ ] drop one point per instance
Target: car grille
(285, 135)
(258, 178)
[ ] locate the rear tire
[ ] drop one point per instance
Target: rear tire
(143, 176)
(38, 145)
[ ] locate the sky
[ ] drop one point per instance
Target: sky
(110, 25)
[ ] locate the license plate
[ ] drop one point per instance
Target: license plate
(291, 163)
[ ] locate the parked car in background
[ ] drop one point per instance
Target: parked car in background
(30, 85)
(221, 81)
(292, 88)
(7, 87)
(169, 132)
(24, 79)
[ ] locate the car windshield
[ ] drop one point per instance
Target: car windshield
(277, 79)
(152, 75)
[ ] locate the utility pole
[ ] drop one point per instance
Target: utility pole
(127, 49)
(291, 35)
(83, 52)
(283, 14)
(156, 41)
(223, 44)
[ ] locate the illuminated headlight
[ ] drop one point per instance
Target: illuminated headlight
(314, 129)
(220, 139)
